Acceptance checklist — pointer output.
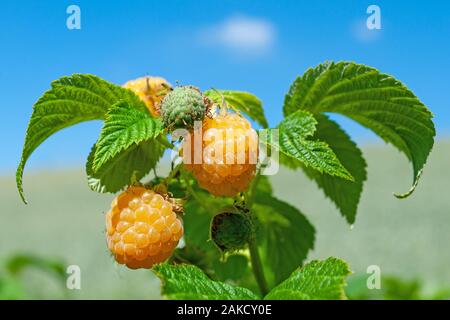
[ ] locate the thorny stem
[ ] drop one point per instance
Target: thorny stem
(257, 267)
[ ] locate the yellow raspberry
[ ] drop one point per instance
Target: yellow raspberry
(142, 228)
(228, 156)
(150, 90)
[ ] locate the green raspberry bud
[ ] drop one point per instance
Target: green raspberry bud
(232, 229)
(182, 107)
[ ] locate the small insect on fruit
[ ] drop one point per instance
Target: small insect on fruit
(229, 151)
(142, 228)
(151, 90)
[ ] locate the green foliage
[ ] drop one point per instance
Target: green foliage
(371, 98)
(199, 212)
(317, 280)
(284, 236)
(345, 194)
(132, 142)
(199, 249)
(263, 184)
(16, 264)
(233, 267)
(294, 142)
(393, 288)
(189, 282)
(242, 101)
(124, 126)
(11, 285)
(127, 144)
(11, 288)
(71, 100)
(132, 163)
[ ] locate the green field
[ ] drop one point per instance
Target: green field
(407, 238)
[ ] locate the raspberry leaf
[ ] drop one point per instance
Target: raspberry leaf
(18, 263)
(243, 101)
(234, 267)
(185, 281)
(128, 148)
(201, 251)
(199, 212)
(317, 280)
(284, 236)
(124, 127)
(71, 100)
(371, 98)
(345, 194)
(297, 145)
(130, 164)
(11, 287)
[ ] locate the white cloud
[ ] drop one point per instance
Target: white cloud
(241, 34)
(362, 33)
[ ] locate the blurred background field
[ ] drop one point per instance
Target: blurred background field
(405, 238)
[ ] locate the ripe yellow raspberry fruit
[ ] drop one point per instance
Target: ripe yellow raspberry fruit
(228, 155)
(142, 228)
(151, 90)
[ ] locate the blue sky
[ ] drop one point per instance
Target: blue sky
(258, 46)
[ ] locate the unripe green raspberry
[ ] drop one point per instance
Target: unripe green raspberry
(231, 229)
(182, 107)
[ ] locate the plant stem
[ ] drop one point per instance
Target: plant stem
(257, 268)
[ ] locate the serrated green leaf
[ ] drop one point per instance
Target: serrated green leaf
(345, 194)
(243, 101)
(201, 251)
(295, 143)
(185, 281)
(284, 236)
(124, 126)
(132, 163)
(371, 98)
(71, 100)
(317, 280)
